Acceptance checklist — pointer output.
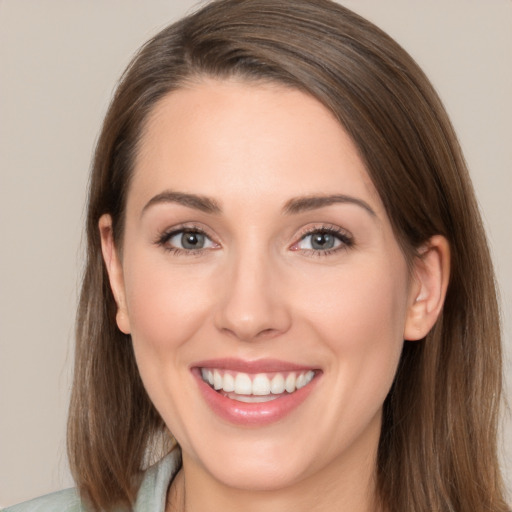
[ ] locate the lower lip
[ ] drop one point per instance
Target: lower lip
(253, 414)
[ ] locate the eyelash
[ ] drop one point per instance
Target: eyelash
(163, 240)
(346, 240)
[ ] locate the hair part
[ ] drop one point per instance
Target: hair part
(438, 443)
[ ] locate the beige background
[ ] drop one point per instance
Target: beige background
(59, 61)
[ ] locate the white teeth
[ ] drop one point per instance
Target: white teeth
(277, 384)
(259, 385)
(305, 379)
(207, 376)
(229, 383)
(243, 384)
(217, 380)
(289, 383)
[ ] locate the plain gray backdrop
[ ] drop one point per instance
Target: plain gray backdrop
(59, 62)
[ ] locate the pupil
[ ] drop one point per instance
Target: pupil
(322, 241)
(192, 240)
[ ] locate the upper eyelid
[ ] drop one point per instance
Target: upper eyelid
(186, 226)
(331, 228)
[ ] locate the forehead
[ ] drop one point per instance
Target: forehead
(233, 138)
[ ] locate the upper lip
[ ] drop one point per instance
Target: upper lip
(256, 366)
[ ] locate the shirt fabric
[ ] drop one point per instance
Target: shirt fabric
(151, 496)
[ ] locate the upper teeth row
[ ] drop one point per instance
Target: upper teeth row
(259, 384)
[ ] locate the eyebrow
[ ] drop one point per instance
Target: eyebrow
(202, 203)
(303, 204)
(293, 206)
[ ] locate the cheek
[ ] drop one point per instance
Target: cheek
(166, 308)
(360, 322)
(165, 305)
(361, 304)
(360, 319)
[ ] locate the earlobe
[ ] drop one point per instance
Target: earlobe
(428, 289)
(115, 271)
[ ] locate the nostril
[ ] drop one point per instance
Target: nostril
(250, 335)
(267, 333)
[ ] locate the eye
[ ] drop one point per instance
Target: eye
(319, 241)
(186, 240)
(323, 240)
(190, 240)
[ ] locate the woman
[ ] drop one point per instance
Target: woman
(277, 202)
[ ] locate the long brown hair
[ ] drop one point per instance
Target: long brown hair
(437, 450)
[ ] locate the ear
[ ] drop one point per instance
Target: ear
(115, 271)
(431, 274)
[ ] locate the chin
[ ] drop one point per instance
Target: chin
(250, 461)
(257, 475)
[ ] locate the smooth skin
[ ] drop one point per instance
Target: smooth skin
(320, 283)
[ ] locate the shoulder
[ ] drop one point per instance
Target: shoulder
(151, 496)
(62, 501)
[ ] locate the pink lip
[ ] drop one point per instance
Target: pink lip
(257, 366)
(252, 414)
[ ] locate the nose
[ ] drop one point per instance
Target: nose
(252, 302)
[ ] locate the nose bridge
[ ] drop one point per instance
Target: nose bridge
(251, 305)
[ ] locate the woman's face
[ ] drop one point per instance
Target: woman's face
(257, 255)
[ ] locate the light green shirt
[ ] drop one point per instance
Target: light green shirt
(150, 498)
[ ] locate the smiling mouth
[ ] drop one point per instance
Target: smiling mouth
(256, 388)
